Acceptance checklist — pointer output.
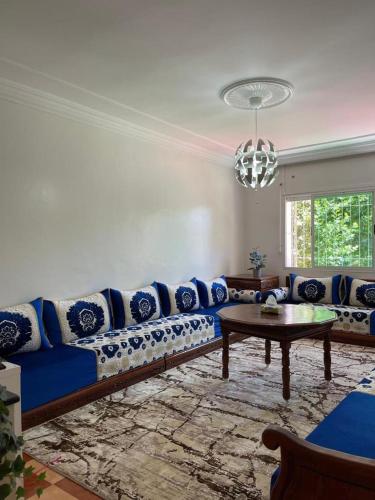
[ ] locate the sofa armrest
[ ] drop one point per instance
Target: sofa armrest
(310, 471)
(281, 294)
(245, 296)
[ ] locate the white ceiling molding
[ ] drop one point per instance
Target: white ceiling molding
(23, 94)
(326, 150)
(50, 103)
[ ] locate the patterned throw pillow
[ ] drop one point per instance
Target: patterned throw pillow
(136, 306)
(179, 298)
(281, 294)
(214, 292)
(68, 320)
(21, 329)
(315, 290)
(359, 293)
(246, 296)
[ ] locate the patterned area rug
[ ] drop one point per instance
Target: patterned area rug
(187, 434)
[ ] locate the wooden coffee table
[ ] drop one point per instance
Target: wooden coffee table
(296, 322)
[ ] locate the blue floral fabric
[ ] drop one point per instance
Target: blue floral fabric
(68, 320)
(120, 350)
(312, 290)
(135, 306)
(21, 329)
(353, 319)
(359, 292)
(179, 298)
(213, 292)
(315, 290)
(85, 318)
(186, 298)
(142, 306)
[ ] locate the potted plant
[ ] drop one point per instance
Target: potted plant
(258, 262)
(12, 464)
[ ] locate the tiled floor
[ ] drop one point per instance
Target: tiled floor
(55, 486)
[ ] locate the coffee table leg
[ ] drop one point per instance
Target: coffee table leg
(225, 354)
(285, 346)
(268, 352)
(327, 356)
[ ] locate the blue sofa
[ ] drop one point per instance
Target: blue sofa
(354, 325)
(342, 457)
(48, 375)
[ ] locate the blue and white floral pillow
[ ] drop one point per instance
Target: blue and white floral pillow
(68, 320)
(21, 329)
(315, 290)
(180, 298)
(359, 293)
(214, 292)
(136, 306)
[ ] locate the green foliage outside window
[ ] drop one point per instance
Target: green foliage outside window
(342, 231)
(302, 233)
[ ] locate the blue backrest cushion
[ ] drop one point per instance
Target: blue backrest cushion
(21, 328)
(213, 292)
(315, 290)
(68, 320)
(359, 293)
(135, 306)
(179, 298)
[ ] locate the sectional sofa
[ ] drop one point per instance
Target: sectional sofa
(353, 300)
(74, 351)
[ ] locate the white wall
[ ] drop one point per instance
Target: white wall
(265, 207)
(82, 208)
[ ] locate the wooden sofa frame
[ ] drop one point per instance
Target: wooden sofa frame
(347, 337)
(110, 385)
(312, 472)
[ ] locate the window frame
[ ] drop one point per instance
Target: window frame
(312, 196)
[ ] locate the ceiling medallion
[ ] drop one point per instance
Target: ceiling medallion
(256, 163)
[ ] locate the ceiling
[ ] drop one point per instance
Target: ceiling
(162, 63)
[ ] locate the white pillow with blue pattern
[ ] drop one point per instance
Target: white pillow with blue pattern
(245, 296)
(179, 298)
(21, 329)
(135, 306)
(68, 320)
(315, 290)
(359, 293)
(213, 292)
(281, 294)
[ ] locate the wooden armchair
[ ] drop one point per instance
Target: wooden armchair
(311, 472)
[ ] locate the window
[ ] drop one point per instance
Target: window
(329, 230)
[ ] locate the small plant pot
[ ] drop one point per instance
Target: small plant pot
(257, 273)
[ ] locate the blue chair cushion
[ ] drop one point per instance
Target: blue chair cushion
(68, 320)
(21, 328)
(49, 375)
(345, 429)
